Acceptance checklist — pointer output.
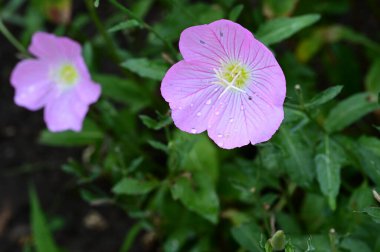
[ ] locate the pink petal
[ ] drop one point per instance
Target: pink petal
(88, 91)
(267, 77)
(31, 83)
(239, 120)
(213, 43)
(49, 46)
(189, 90)
(65, 112)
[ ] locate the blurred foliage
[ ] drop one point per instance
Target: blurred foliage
(313, 180)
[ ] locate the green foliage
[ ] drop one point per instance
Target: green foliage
(90, 134)
(313, 179)
(42, 236)
(276, 30)
(350, 110)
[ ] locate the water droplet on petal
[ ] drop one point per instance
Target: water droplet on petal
(217, 113)
(220, 135)
(231, 120)
(216, 89)
(191, 105)
(242, 107)
(199, 114)
(221, 144)
(180, 108)
(193, 130)
(208, 102)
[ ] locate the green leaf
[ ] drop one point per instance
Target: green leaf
(133, 186)
(296, 156)
(248, 236)
(323, 97)
(328, 172)
(198, 194)
(373, 212)
(349, 111)
(369, 158)
(90, 134)
(145, 68)
(354, 245)
(154, 124)
(123, 90)
(124, 25)
(274, 8)
(158, 145)
(235, 12)
(372, 80)
(279, 29)
(42, 236)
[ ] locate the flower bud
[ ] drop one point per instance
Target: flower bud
(278, 241)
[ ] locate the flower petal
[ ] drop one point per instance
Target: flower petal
(190, 92)
(66, 112)
(239, 120)
(213, 43)
(31, 83)
(49, 46)
(88, 91)
(266, 78)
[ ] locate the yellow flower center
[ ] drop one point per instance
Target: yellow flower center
(236, 71)
(68, 75)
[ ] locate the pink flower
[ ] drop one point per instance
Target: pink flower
(229, 84)
(57, 80)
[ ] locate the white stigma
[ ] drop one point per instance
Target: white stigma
(229, 84)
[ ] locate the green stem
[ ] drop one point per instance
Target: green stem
(145, 25)
(102, 30)
(9, 36)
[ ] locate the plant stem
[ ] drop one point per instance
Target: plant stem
(102, 30)
(9, 36)
(145, 25)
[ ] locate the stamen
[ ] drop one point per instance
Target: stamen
(229, 84)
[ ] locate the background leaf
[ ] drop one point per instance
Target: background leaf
(349, 111)
(278, 29)
(43, 239)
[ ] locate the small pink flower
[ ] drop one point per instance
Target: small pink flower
(58, 80)
(229, 84)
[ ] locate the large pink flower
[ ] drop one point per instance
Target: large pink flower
(229, 84)
(58, 80)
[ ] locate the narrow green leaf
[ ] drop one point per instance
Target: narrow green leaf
(124, 25)
(323, 97)
(235, 12)
(349, 111)
(133, 186)
(372, 80)
(42, 236)
(158, 145)
(373, 212)
(145, 68)
(197, 193)
(248, 236)
(90, 134)
(328, 167)
(154, 124)
(279, 29)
